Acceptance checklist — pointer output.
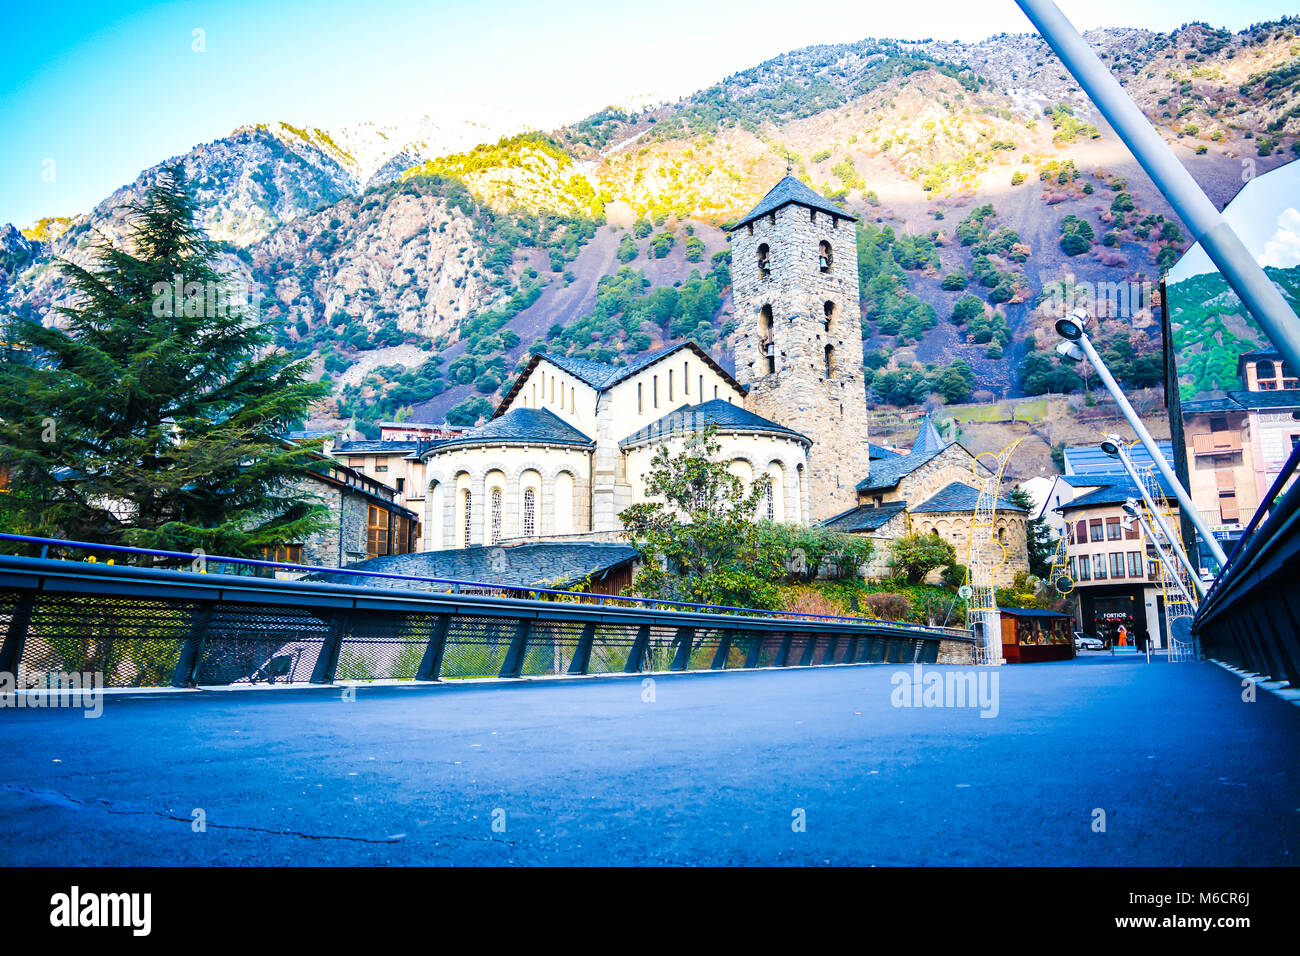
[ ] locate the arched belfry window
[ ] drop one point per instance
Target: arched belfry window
(766, 342)
(825, 260)
(469, 503)
(496, 515)
(830, 361)
(764, 261)
(829, 308)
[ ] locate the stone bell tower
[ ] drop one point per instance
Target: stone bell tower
(794, 273)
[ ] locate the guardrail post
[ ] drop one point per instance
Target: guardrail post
(186, 672)
(755, 649)
(11, 651)
(685, 638)
(783, 655)
(514, 662)
(636, 659)
(851, 651)
(431, 662)
(582, 653)
(723, 652)
(807, 658)
(831, 644)
(327, 661)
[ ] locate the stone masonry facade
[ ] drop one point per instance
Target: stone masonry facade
(798, 344)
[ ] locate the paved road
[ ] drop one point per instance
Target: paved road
(712, 770)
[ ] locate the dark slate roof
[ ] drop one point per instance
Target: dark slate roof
(864, 517)
(890, 471)
(877, 452)
(602, 375)
(1282, 398)
(536, 426)
(790, 190)
(1030, 612)
(1117, 489)
(375, 447)
(959, 497)
(556, 565)
(1199, 406)
(928, 438)
(728, 417)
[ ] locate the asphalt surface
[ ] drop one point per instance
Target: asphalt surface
(714, 769)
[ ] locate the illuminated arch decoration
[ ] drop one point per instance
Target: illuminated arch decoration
(985, 553)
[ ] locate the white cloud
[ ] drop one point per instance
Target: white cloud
(1283, 248)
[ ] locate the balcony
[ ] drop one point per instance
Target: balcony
(1217, 443)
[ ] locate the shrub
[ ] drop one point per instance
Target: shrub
(888, 606)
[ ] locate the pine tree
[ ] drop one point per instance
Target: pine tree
(154, 415)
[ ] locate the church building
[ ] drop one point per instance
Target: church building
(570, 444)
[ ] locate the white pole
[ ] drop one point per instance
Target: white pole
(1207, 226)
(1166, 560)
(1160, 522)
(1149, 443)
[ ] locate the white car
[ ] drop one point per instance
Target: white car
(1086, 642)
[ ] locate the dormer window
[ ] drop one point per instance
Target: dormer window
(824, 257)
(764, 264)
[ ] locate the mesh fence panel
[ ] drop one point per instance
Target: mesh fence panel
(610, 648)
(704, 650)
(381, 646)
(476, 646)
(661, 648)
(132, 642)
(253, 643)
(551, 647)
(136, 642)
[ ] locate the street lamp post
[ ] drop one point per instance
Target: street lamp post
(1076, 347)
(1131, 509)
(1115, 448)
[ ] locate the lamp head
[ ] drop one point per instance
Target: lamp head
(1130, 507)
(1071, 327)
(1111, 446)
(1069, 351)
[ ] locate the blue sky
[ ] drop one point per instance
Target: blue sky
(91, 93)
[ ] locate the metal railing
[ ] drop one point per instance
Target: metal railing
(458, 585)
(144, 626)
(1251, 615)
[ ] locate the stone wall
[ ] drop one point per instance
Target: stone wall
(1012, 530)
(797, 390)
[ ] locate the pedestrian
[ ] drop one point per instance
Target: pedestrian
(1123, 636)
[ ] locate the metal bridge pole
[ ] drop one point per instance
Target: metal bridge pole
(327, 661)
(685, 638)
(1159, 519)
(636, 657)
(1206, 225)
(582, 653)
(11, 651)
(514, 662)
(186, 672)
(723, 652)
(431, 663)
(1162, 465)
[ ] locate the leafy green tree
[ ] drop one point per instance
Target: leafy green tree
(469, 411)
(155, 417)
(913, 556)
(1041, 543)
(699, 541)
